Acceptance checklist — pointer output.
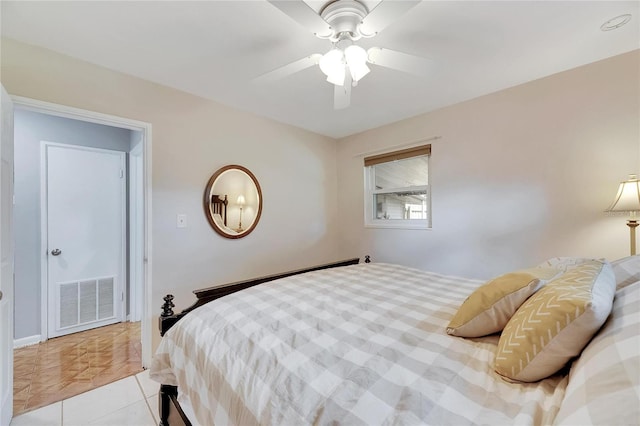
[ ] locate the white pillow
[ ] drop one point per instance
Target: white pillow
(567, 263)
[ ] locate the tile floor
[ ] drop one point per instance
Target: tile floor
(132, 401)
(69, 365)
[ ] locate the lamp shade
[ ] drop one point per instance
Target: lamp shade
(628, 196)
(240, 201)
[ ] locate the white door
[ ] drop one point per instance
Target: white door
(6, 259)
(85, 190)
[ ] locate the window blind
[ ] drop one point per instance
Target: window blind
(397, 155)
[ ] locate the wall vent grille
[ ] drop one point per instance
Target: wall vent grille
(87, 301)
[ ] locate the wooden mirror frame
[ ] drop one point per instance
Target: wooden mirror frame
(208, 192)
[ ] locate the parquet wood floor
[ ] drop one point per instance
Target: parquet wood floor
(69, 365)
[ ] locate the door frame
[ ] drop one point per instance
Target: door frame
(45, 288)
(136, 256)
(6, 234)
(130, 124)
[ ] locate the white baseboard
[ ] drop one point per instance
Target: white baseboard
(26, 341)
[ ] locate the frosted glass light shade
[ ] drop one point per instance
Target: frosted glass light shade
(356, 58)
(337, 77)
(332, 65)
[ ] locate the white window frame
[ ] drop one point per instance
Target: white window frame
(370, 221)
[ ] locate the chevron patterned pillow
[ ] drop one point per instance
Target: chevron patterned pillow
(488, 309)
(556, 323)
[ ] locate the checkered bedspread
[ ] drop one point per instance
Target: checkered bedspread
(362, 344)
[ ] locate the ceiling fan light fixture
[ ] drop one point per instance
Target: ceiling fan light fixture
(343, 22)
(356, 58)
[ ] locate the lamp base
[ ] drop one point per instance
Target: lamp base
(633, 224)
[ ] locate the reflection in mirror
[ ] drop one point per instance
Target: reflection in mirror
(233, 201)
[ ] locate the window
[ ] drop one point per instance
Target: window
(397, 193)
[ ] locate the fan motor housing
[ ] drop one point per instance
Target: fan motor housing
(344, 16)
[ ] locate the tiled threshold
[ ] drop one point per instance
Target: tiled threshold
(132, 401)
(66, 366)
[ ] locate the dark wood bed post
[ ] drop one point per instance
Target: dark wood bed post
(166, 392)
(167, 317)
(168, 395)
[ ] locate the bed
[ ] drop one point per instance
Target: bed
(367, 343)
(218, 206)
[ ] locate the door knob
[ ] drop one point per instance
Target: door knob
(1, 295)
(56, 252)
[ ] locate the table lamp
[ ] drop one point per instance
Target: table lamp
(628, 200)
(240, 202)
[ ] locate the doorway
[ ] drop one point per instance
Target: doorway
(136, 267)
(65, 172)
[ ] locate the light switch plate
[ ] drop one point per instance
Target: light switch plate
(182, 221)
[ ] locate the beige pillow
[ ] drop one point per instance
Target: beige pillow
(488, 309)
(555, 324)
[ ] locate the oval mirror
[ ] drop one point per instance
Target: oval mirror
(233, 201)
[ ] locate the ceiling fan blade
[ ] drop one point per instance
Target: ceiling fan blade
(300, 12)
(399, 61)
(342, 94)
(289, 69)
(384, 14)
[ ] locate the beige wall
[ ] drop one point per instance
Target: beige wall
(192, 138)
(518, 176)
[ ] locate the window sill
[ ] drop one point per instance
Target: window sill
(385, 224)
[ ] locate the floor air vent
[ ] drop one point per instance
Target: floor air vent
(86, 301)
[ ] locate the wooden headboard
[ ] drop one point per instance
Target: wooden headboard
(219, 206)
(168, 318)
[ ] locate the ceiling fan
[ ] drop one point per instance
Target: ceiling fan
(344, 22)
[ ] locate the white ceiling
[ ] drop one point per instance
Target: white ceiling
(214, 49)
